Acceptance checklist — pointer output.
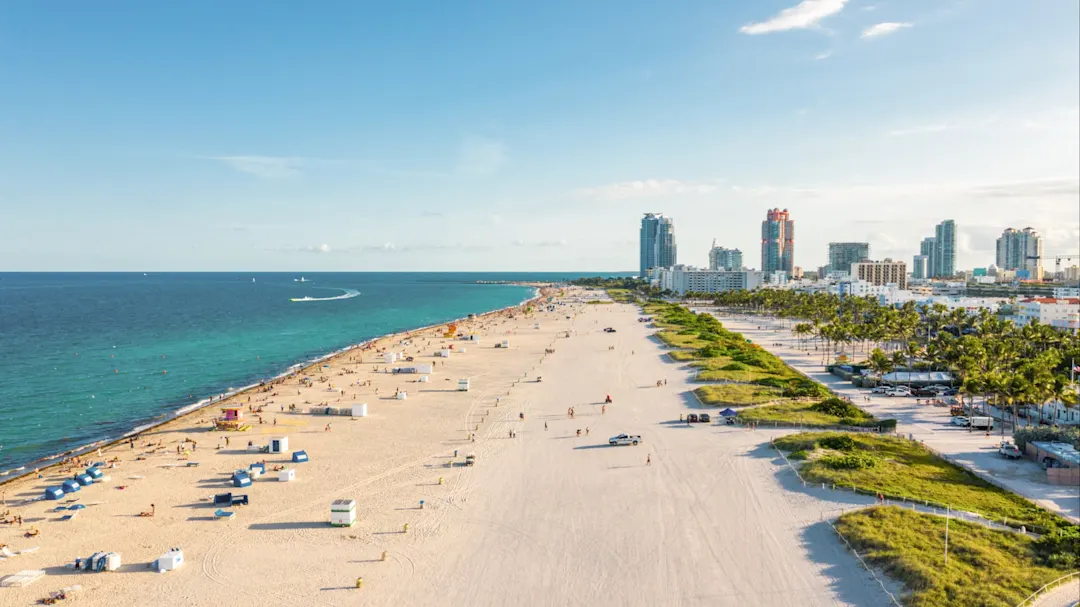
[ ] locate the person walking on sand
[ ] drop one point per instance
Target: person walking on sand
(545, 425)
(648, 459)
(226, 441)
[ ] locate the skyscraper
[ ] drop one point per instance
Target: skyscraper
(1021, 250)
(657, 242)
(724, 259)
(843, 254)
(927, 249)
(777, 242)
(945, 249)
(918, 266)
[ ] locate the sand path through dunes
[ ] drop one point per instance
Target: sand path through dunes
(550, 518)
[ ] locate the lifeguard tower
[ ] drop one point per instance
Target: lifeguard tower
(231, 420)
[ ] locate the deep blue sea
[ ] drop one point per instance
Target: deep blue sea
(85, 356)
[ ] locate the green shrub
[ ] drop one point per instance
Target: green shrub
(710, 351)
(1026, 435)
(838, 442)
(801, 387)
(839, 408)
(734, 366)
(1060, 548)
(773, 382)
(800, 454)
(850, 461)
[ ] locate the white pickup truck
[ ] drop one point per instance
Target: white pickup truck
(624, 439)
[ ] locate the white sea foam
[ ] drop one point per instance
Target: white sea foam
(349, 294)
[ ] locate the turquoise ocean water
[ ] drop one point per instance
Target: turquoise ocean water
(86, 357)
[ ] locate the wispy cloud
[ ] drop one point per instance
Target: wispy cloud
(480, 156)
(543, 244)
(266, 167)
(647, 188)
(925, 129)
(822, 56)
(804, 15)
(1063, 186)
(883, 29)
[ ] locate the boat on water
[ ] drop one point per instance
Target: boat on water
(301, 279)
(302, 299)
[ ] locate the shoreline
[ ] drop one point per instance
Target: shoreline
(51, 461)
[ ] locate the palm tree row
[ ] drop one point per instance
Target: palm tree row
(988, 356)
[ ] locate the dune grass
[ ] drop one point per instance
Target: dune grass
(620, 295)
(986, 567)
(737, 395)
(906, 470)
(801, 412)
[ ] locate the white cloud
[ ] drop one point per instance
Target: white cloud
(647, 188)
(480, 157)
(822, 56)
(921, 130)
(803, 15)
(267, 167)
(882, 29)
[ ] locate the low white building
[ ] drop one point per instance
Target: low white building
(1063, 314)
(681, 279)
(1066, 293)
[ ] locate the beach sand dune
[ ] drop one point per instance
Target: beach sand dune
(545, 517)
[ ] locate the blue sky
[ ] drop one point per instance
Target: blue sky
(506, 135)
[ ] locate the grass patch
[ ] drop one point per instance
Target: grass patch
(597, 302)
(682, 355)
(986, 567)
(737, 395)
(680, 339)
(905, 469)
(621, 295)
(807, 414)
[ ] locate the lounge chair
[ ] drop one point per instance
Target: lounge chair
(224, 513)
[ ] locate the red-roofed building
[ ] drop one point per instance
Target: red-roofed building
(1062, 314)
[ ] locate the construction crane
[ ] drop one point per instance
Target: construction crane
(1059, 258)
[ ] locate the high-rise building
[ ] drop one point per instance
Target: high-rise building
(777, 242)
(918, 266)
(928, 249)
(1021, 250)
(843, 254)
(944, 261)
(657, 242)
(724, 259)
(881, 272)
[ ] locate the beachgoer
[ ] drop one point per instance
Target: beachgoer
(226, 441)
(586, 430)
(648, 459)
(545, 425)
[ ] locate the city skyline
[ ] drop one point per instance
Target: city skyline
(209, 137)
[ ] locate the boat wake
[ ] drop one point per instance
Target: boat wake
(349, 294)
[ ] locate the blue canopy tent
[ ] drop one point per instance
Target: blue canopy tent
(729, 412)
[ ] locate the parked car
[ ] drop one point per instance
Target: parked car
(624, 439)
(879, 389)
(704, 418)
(925, 392)
(1010, 451)
(898, 391)
(961, 420)
(692, 418)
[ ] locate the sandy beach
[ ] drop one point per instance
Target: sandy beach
(544, 517)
